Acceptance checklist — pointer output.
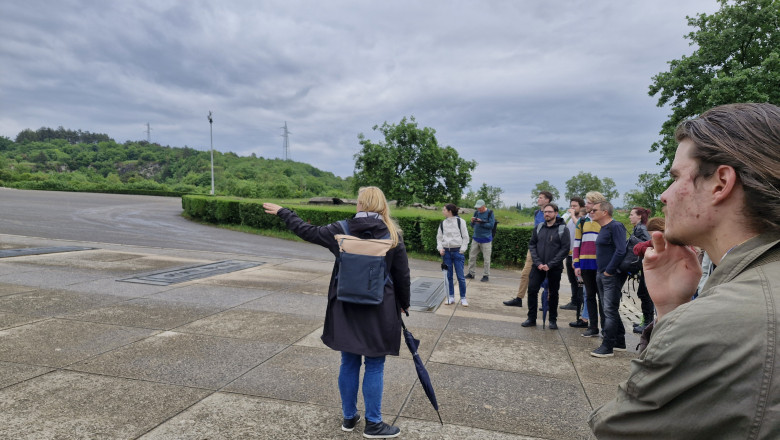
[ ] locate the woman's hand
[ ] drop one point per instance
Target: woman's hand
(271, 208)
(672, 274)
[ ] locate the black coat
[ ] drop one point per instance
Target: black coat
(548, 246)
(354, 328)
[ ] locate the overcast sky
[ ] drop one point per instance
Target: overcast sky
(531, 90)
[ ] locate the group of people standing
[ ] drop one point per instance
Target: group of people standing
(709, 369)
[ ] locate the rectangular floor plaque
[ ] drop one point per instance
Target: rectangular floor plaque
(427, 294)
(192, 273)
(6, 253)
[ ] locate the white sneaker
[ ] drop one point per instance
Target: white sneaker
(463, 302)
(450, 300)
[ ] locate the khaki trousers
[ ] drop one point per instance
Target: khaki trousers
(476, 248)
(524, 276)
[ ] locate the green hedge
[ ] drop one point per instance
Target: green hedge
(509, 247)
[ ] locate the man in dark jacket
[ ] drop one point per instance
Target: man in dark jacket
(549, 247)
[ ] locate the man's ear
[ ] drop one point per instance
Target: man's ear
(724, 181)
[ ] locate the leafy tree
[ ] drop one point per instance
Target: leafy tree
(648, 195)
(411, 166)
(491, 195)
(737, 60)
(583, 182)
(544, 185)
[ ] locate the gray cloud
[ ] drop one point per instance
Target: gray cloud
(531, 90)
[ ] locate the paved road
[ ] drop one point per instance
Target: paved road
(131, 220)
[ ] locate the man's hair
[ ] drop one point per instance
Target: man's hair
(656, 224)
(551, 205)
(547, 194)
(606, 207)
(595, 197)
(578, 200)
(745, 137)
(451, 208)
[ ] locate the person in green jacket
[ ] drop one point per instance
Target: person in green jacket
(711, 368)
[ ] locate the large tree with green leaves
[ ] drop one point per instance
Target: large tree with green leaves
(410, 165)
(544, 185)
(737, 60)
(648, 196)
(491, 195)
(583, 182)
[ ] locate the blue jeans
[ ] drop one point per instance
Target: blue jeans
(454, 259)
(373, 385)
(609, 291)
(585, 315)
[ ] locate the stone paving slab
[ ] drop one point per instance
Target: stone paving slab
(147, 313)
(225, 416)
(50, 302)
(12, 289)
(512, 402)
(8, 320)
(60, 342)
(49, 278)
(111, 286)
(69, 405)
(182, 359)
(12, 373)
(254, 325)
(480, 351)
(290, 303)
(209, 295)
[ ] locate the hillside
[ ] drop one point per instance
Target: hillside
(82, 161)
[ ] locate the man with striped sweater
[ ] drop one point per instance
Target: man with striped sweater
(584, 261)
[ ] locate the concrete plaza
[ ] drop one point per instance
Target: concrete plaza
(84, 355)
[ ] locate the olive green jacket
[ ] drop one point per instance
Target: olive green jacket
(712, 367)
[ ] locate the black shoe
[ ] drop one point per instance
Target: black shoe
(569, 306)
(380, 430)
(541, 309)
(591, 332)
(469, 276)
(639, 329)
(620, 346)
(529, 323)
(602, 352)
(349, 424)
(484, 279)
(516, 302)
(553, 325)
(579, 324)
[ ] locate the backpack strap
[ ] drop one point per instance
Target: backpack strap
(561, 228)
(344, 226)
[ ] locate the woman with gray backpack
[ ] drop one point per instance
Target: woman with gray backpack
(362, 329)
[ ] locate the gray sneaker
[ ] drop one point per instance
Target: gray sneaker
(380, 430)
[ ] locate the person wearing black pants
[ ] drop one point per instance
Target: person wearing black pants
(549, 245)
(591, 287)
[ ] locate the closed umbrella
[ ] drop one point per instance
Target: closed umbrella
(447, 280)
(422, 373)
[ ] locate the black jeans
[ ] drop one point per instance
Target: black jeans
(614, 332)
(595, 309)
(553, 277)
(576, 289)
(648, 308)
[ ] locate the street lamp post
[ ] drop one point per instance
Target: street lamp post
(211, 136)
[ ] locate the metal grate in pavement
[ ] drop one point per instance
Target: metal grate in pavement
(8, 253)
(169, 277)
